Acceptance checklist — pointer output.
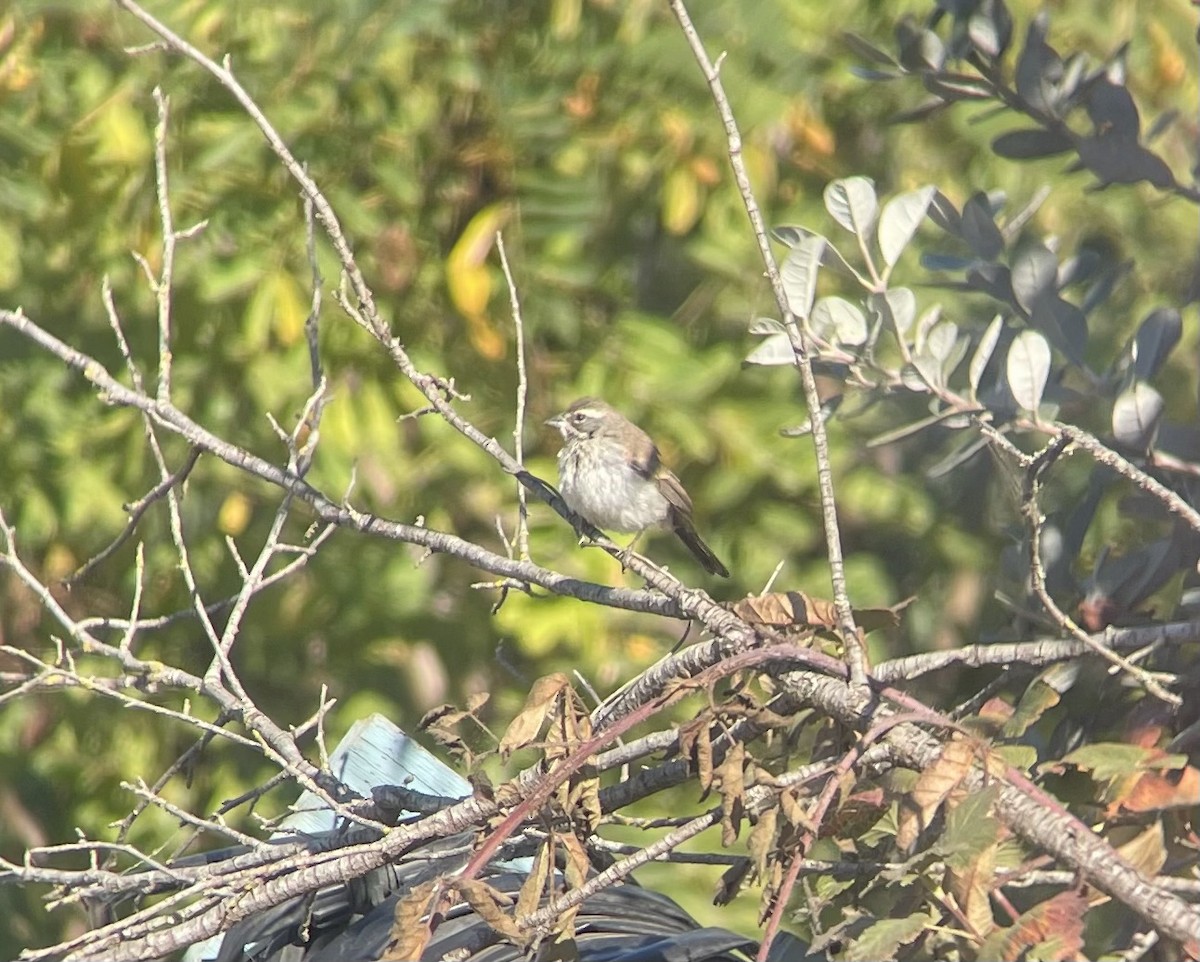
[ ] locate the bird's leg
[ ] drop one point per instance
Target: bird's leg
(626, 553)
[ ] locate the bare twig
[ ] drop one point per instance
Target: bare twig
(522, 398)
(1034, 520)
(856, 656)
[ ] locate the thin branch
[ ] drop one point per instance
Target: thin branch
(1108, 457)
(164, 283)
(1036, 653)
(522, 398)
(136, 511)
(1034, 520)
(111, 391)
(855, 647)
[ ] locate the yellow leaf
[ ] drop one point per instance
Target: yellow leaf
(681, 201)
(564, 19)
(120, 135)
(470, 288)
(18, 60)
(290, 310)
(58, 562)
(970, 888)
(276, 311)
(234, 514)
(470, 281)
(484, 337)
(1170, 66)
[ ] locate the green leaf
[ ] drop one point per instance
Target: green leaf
(929, 367)
(1030, 144)
(1033, 276)
(1064, 324)
(836, 319)
(1135, 416)
(776, 350)
(899, 221)
(983, 353)
(1028, 368)
(970, 829)
(853, 204)
(1108, 760)
(1156, 337)
(766, 325)
(881, 939)
(941, 339)
(899, 307)
(799, 275)
(867, 50)
(831, 257)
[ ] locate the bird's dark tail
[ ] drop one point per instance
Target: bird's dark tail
(686, 531)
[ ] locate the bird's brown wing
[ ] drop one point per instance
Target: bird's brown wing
(680, 520)
(673, 491)
(643, 453)
(679, 516)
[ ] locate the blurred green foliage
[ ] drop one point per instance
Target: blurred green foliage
(584, 130)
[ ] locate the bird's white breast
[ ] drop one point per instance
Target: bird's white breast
(601, 486)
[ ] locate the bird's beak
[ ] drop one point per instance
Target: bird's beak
(554, 422)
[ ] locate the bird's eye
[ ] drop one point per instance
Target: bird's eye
(578, 417)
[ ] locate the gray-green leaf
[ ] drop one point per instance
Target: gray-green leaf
(903, 306)
(852, 203)
(799, 274)
(1028, 368)
(899, 221)
(1135, 415)
(983, 352)
(837, 320)
(775, 350)
(766, 325)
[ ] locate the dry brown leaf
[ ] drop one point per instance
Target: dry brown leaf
(1146, 851)
(971, 889)
(569, 726)
(578, 722)
(443, 714)
(1156, 791)
(1055, 925)
(490, 905)
(541, 700)
(943, 776)
(583, 803)
(793, 811)
(731, 881)
(935, 783)
(787, 609)
(702, 756)
(441, 723)
(732, 788)
(770, 890)
(856, 813)
(577, 865)
(798, 611)
(534, 886)
(761, 841)
(408, 935)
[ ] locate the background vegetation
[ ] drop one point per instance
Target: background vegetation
(583, 131)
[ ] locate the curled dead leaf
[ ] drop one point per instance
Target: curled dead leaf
(798, 611)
